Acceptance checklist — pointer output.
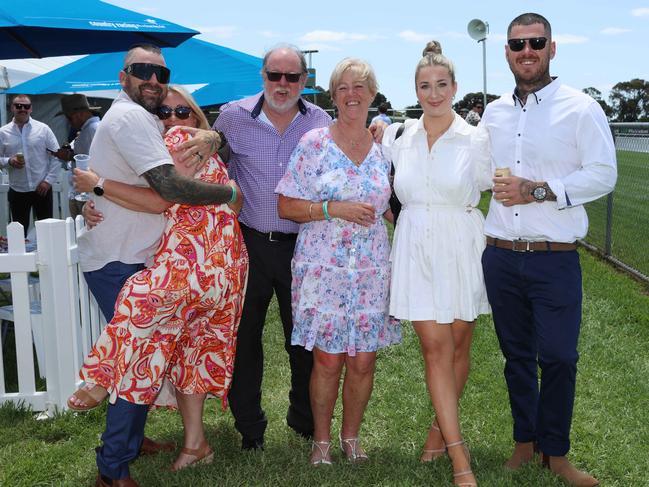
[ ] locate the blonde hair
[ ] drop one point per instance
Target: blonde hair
(198, 113)
(432, 56)
(357, 66)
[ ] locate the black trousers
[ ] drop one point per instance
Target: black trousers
(270, 271)
(21, 204)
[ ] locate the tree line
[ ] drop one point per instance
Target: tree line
(628, 101)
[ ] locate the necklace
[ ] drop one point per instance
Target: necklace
(354, 149)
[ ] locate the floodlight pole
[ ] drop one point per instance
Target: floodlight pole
(484, 71)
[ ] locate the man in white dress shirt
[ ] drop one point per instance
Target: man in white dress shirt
(558, 146)
(24, 146)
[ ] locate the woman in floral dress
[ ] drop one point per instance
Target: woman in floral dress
(177, 319)
(336, 186)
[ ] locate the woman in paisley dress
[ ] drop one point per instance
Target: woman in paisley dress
(172, 339)
(336, 186)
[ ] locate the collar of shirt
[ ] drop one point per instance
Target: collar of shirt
(544, 93)
(458, 127)
(255, 103)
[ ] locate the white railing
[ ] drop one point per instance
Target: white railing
(69, 321)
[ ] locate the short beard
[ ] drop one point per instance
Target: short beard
(150, 105)
(288, 105)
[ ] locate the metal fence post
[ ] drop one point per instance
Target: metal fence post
(608, 238)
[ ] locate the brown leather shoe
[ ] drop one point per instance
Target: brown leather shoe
(127, 482)
(561, 467)
(523, 453)
(150, 447)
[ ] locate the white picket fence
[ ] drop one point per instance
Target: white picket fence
(69, 320)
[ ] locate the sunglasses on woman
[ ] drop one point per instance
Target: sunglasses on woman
(182, 112)
(144, 71)
(276, 76)
(536, 43)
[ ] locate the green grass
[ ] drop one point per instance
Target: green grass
(630, 230)
(610, 432)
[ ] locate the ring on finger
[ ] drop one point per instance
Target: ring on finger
(200, 156)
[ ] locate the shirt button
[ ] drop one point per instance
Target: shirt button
(524, 109)
(515, 214)
(518, 162)
(519, 135)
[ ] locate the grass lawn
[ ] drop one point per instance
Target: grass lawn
(610, 431)
(630, 230)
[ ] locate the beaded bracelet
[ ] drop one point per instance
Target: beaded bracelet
(233, 198)
(325, 203)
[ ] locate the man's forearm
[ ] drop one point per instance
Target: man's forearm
(178, 189)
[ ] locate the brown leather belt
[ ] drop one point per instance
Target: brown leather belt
(527, 246)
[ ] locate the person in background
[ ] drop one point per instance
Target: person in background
(336, 186)
(262, 131)
(473, 116)
(557, 144)
(26, 149)
(84, 120)
(441, 166)
(383, 114)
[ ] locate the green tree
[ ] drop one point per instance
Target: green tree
(597, 96)
(469, 98)
(323, 99)
(413, 111)
(630, 101)
(378, 99)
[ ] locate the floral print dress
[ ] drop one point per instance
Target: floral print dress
(341, 270)
(178, 318)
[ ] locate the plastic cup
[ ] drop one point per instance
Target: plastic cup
(82, 161)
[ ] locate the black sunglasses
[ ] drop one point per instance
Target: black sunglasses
(536, 43)
(182, 112)
(144, 71)
(276, 76)
(22, 106)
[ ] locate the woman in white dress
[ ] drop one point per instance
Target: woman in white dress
(441, 165)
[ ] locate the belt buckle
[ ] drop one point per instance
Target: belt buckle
(270, 237)
(524, 248)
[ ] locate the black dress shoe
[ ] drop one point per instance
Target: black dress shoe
(250, 444)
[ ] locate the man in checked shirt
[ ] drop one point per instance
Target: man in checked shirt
(262, 131)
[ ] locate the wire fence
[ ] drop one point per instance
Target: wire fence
(619, 223)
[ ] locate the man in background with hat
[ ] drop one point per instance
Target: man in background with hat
(83, 119)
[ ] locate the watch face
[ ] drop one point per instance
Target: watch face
(539, 193)
(98, 190)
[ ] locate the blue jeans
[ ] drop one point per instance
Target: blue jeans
(125, 421)
(536, 301)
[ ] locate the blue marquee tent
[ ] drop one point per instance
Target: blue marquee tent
(228, 74)
(42, 28)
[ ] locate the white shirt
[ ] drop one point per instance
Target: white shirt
(33, 141)
(128, 142)
(560, 136)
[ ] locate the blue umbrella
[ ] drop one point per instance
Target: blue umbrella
(41, 28)
(193, 62)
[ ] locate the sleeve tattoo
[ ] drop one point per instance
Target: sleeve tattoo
(178, 189)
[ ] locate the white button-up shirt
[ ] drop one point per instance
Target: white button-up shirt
(560, 136)
(33, 141)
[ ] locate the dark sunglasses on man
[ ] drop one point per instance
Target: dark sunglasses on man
(536, 43)
(144, 71)
(276, 76)
(182, 112)
(22, 106)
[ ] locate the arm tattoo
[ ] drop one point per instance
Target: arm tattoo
(178, 189)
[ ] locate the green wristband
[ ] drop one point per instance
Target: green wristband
(233, 198)
(324, 210)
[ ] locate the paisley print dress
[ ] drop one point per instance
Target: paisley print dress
(177, 319)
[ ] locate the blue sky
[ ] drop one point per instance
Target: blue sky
(599, 43)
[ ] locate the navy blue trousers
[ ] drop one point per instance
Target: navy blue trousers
(125, 421)
(536, 301)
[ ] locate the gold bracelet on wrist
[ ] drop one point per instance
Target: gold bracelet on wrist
(311, 211)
